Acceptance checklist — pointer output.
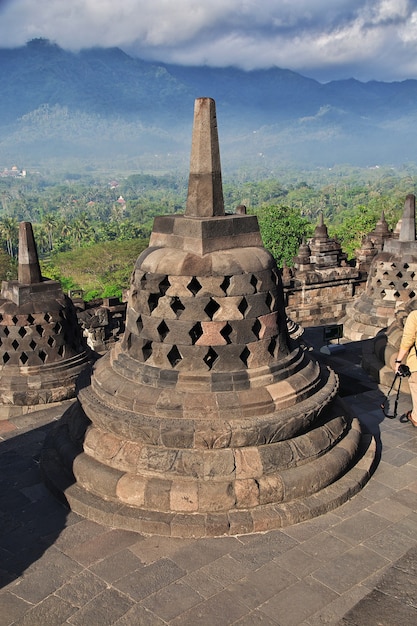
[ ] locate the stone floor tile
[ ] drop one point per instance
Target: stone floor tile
(334, 611)
(52, 611)
(152, 548)
(45, 576)
(325, 546)
(298, 562)
(391, 543)
(408, 525)
(256, 618)
(263, 548)
(226, 570)
(142, 583)
(262, 584)
(139, 616)
(351, 507)
(296, 602)
(81, 588)
(311, 528)
(222, 608)
(389, 509)
(400, 585)
(200, 581)
(76, 533)
(406, 497)
(172, 600)
(377, 608)
(117, 565)
(350, 569)
(102, 545)
(201, 552)
(103, 610)
(359, 527)
(398, 479)
(11, 608)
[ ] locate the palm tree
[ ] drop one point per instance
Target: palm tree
(9, 229)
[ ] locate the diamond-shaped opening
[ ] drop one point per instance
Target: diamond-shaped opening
(6, 331)
(6, 357)
(51, 342)
(23, 358)
(225, 284)
(210, 358)
(226, 331)
(15, 344)
(254, 282)
(383, 292)
(57, 328)
(412, 275)
(391, 284)
(139, 324)
(40, 330)
(22, 331)
(43, 356)
(211, 308)
(378, 282)
(244, 356)
(177, 306)
(196, 332)
(194, 286)
(15, 319)
(399, 275)
(243, 306)
(163, 330)
(147, 350)
(405, 285)
(272, 346)
(164, 285)
(62, 314)
(256, 328)
(396, 294)
(153, 301)
(393, 265)
(385, 274)
(61, 350)
(406, 266)
(411, 294)
(1, 317)
(174, 356)
(33, 344)
(270, 301)
(48, 318)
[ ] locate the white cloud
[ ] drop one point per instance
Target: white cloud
(326, 39)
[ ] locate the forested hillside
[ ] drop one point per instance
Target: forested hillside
(89, 230)
(102, 106)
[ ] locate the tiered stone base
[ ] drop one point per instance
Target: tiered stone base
(270, 516)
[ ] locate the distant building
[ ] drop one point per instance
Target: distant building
(14, 172)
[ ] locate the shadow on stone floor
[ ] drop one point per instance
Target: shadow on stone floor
(30, 517)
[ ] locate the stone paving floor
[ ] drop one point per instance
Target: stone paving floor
(354, 566)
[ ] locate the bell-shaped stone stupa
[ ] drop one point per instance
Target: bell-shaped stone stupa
(41, 347)
(391, 283)
(206, 419)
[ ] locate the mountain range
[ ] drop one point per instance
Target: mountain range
(101, 103)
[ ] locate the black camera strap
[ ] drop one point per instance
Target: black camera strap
(383, 405)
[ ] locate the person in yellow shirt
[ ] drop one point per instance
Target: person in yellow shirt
(408, 350)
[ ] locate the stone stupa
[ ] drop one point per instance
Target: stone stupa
(206, 419)
(391, 283)
(41, 348)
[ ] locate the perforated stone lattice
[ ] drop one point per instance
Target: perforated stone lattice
(393, 281)
(37, 339)
(173, 320)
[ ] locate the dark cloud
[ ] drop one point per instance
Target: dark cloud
(325, 39)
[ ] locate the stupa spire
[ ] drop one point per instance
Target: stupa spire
(205, 192)
(408, 222)
(29, 270)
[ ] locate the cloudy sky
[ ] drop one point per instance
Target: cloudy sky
(323, 39)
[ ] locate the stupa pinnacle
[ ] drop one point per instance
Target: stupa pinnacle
(206, 419)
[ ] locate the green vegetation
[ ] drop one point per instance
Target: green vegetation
(90, 228)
